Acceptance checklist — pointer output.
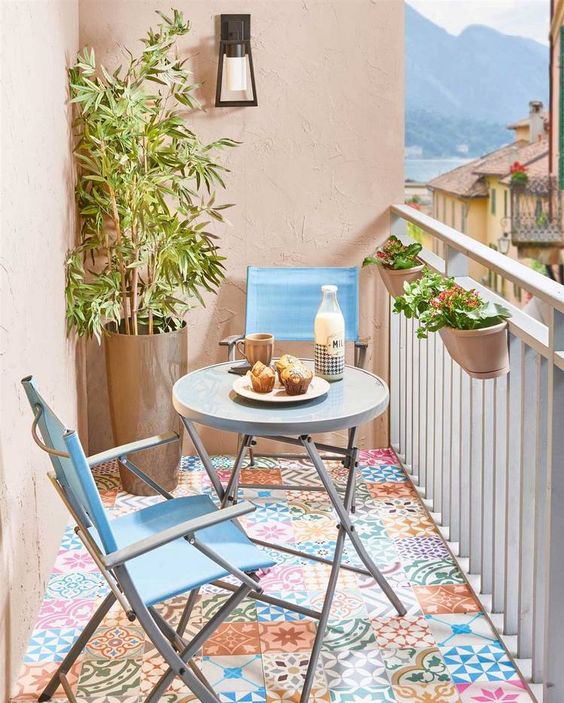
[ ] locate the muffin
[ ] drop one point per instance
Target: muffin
(296, 378)
(262, 378)
(284, 362)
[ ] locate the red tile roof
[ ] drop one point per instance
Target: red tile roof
(468, 181)
(535, 169)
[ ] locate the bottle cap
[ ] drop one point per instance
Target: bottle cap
(329, 288)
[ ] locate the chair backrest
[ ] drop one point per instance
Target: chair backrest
(284, 301)
(71, 467)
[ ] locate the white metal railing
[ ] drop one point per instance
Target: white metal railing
(489, 454)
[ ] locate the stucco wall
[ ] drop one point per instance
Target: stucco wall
(37, 227)
(320, 163)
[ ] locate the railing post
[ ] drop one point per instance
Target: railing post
(554, 604)
(398, 226)
(513, 488)
(395, 356)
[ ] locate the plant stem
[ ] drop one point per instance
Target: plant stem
(134, 282)
(134, 295)
(124, 299)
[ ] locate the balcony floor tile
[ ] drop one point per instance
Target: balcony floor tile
(442, 651)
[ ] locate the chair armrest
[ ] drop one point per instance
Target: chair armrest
(230, 343)
(184, 529)
(132, 447)
(231, 340)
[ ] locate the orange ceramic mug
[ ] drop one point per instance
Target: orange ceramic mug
(257, 347)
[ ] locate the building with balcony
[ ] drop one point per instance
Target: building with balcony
(477, 197)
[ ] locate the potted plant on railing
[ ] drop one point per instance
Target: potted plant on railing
(519, 177)
(145, 194)
(473, 330)
(397, 263)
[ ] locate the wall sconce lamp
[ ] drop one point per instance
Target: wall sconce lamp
(503, 243)
(235, 65)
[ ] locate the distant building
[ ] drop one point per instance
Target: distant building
(531, 127)
(476, 198)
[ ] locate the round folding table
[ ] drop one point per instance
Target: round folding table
(205, 397)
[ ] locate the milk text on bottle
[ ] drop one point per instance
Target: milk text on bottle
(329, 334)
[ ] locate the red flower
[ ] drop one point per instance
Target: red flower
(518, 167)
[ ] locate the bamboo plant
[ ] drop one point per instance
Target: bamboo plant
(145, 192)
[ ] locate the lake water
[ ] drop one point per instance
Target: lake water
(423, 170)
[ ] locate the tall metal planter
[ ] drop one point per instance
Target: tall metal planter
(141, 370)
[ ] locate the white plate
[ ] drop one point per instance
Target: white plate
(244, 387)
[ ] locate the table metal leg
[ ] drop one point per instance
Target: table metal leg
(205, 457)
(271, 600)
(345, 522)
(351, 446)
(232, 489)
(330, 593)
(306, 555)
(343, 508)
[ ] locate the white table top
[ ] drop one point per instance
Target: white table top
(206, 397)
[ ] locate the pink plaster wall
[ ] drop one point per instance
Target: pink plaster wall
(37, 219)
(320, 163)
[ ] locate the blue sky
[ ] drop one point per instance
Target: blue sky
(526, 18)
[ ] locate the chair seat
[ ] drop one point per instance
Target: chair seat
(178, 567)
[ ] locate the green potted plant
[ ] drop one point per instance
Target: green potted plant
(145, 194)
(519, 176)
(397, 263)
(473, 330)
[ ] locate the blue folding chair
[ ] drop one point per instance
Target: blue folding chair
(170, 548)
(284, 301)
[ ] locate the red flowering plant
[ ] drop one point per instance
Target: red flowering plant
(519, 175)
(395, 255)
(437, 302)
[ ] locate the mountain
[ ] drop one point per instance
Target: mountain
(441, 136)
(481, 77)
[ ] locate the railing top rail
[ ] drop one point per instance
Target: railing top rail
(544, 288)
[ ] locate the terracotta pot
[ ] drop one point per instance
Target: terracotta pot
(394, 280)
(141, 371)
(481, 353)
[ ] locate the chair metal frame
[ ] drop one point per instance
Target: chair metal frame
(169, 642)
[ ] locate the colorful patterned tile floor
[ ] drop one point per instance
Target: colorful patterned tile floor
(443, 651)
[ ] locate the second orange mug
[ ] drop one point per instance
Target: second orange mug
(257, 347)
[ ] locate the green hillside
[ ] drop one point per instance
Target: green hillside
(440, 137)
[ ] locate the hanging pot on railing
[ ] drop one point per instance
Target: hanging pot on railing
(395, 278)
(482, 353)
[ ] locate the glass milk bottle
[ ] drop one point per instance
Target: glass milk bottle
(329, 333)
